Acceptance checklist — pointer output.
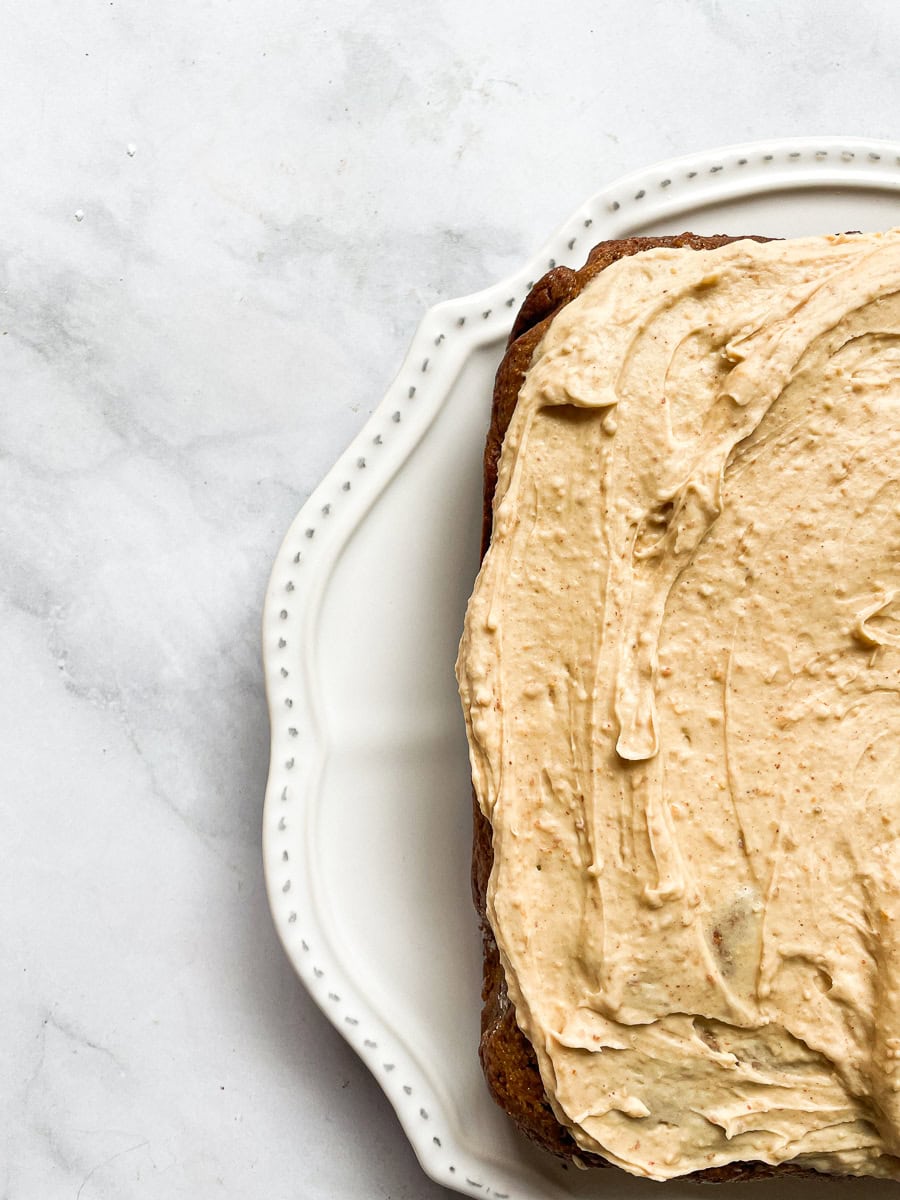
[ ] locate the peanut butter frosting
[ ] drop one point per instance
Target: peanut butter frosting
(680, 673)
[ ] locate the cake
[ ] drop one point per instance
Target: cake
(680, 674)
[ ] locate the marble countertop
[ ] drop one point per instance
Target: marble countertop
(220, 224)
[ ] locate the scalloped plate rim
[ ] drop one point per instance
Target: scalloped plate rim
(838, 161)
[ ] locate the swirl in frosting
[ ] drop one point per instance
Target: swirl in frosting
(680, 673)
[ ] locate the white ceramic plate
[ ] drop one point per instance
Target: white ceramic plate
(367, 825)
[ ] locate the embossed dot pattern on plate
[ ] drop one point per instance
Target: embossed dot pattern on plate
(408, 408)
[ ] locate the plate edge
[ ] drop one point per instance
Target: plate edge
(871, 163)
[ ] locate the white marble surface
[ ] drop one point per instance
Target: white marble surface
(219, 225)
